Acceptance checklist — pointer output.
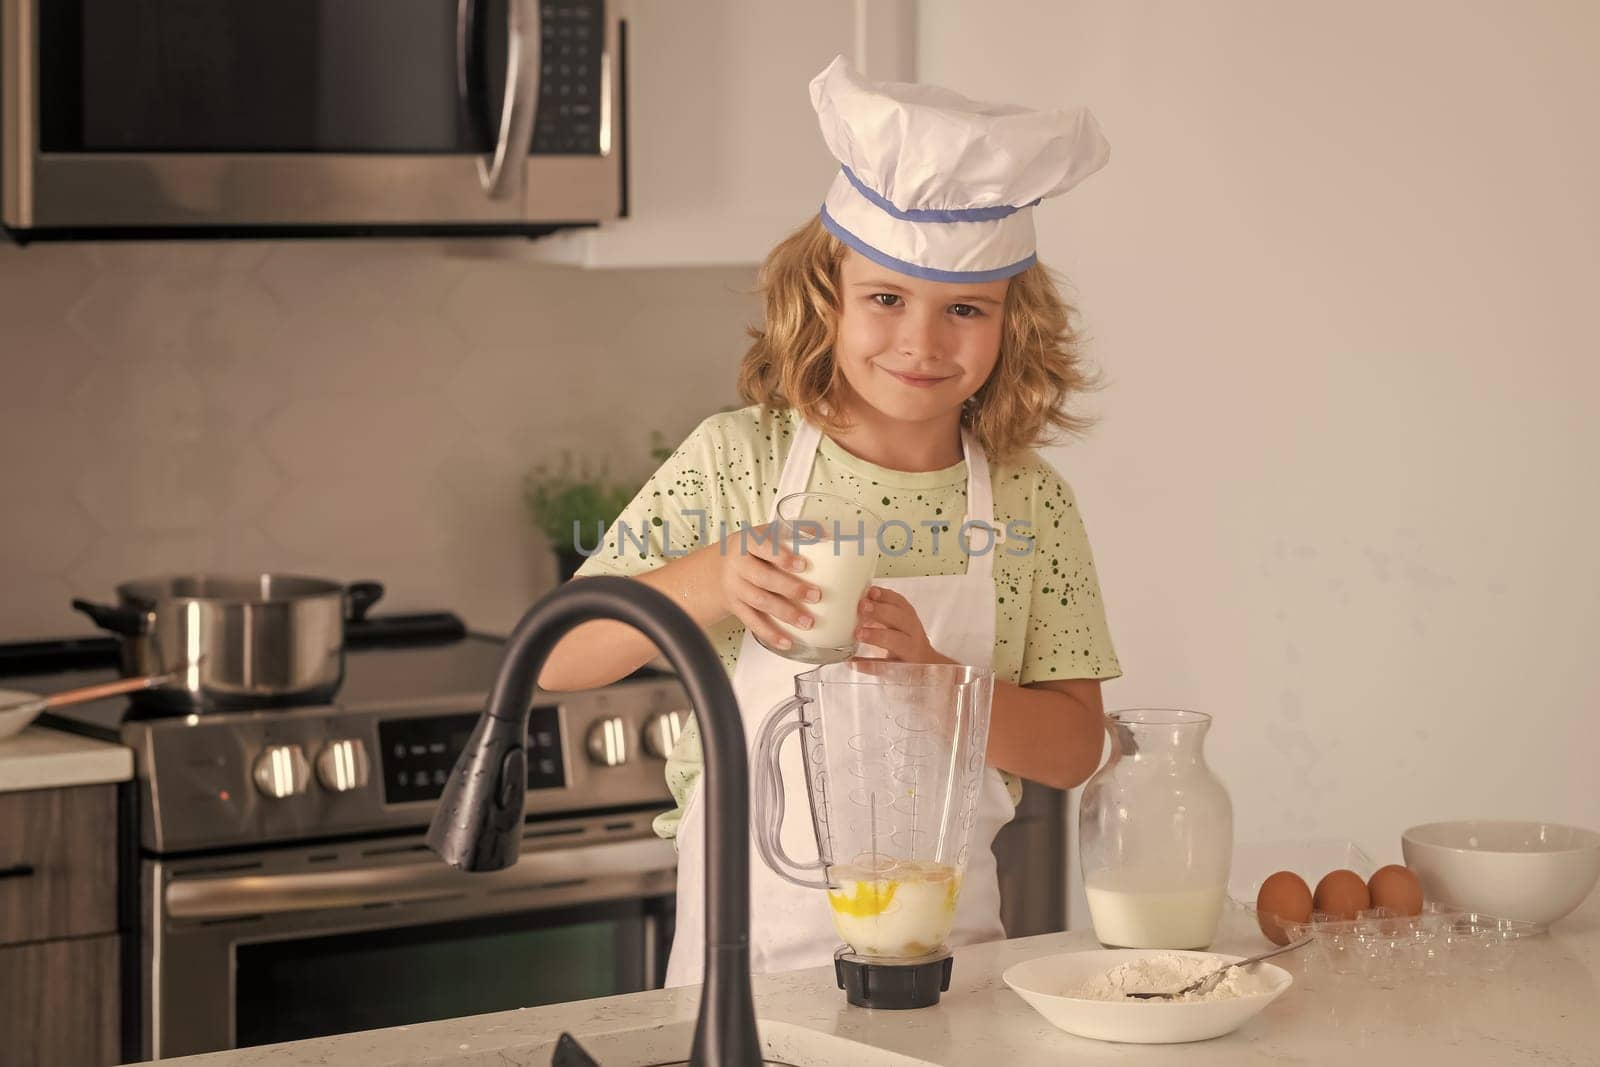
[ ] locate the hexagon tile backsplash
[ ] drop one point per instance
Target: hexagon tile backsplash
(351, 409)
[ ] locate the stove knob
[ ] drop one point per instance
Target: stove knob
(282, 771)
(661, 732)
(608, 742)
(342, 765)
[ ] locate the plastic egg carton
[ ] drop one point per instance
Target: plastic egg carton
(1441, 943)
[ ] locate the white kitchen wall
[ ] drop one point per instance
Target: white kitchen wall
(1345, 490)
(352, 409)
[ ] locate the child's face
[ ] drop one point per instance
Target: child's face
(914, 349)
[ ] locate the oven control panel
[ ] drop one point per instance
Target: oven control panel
(284, 774)
(417, 754)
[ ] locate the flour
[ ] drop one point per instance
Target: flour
(1168, 973)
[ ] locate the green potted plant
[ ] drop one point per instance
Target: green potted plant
(578, 496)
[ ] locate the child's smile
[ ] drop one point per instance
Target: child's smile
(917, 381)
(914, 349)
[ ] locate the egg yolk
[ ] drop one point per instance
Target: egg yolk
(874, 898)
(870, 898)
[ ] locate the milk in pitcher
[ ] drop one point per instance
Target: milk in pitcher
(1127, 914)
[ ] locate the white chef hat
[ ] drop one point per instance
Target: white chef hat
(941, 187)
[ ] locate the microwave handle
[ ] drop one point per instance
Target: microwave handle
(469, 64)
(501, 175)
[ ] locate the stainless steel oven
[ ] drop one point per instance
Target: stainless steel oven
(277, 884)
(303, 942)
(196, 117)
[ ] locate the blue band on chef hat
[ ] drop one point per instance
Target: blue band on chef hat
(883, 259)
(970, 214)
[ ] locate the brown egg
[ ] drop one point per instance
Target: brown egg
(1284, 898)
(1342, 893)
(1396, 888)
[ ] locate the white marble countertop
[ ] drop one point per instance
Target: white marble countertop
(1541, 1010)
(42, 758)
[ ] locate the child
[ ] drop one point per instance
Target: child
(913, 351)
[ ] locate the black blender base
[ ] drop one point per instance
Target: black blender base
(869, 983)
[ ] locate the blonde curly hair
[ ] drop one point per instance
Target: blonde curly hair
(1022, 404)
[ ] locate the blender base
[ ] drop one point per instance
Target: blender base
(896, 986)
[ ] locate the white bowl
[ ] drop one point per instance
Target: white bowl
(1041, 983)
(16, 719)
(1536, 872)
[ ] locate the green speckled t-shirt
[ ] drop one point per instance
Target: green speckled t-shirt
(1049, 621)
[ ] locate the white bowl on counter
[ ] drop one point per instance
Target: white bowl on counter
(1535, 872)
(1044, 983)
(17, 710)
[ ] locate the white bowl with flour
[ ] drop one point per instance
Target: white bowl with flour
(1083, 993)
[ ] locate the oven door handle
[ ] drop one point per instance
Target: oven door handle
(502, 175)
(649, 862)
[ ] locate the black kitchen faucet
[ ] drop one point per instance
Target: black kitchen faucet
(478, 824)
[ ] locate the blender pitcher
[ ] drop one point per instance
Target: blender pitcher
(892, 757)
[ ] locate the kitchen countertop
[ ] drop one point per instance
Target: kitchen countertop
(1541, 1010)
(42, 758)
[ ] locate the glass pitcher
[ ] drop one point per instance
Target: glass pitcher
(1155, 834)
(892, 757)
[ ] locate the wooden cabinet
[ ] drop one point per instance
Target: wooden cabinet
(59, 945)
(59, 1003)
(58, 863)
(724, 153)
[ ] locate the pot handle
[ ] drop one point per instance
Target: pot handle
(359, 598)
(129, 622)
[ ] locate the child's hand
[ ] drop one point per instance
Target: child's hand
(759, 583)
(887, 620)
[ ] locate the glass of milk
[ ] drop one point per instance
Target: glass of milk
(838, 538)
(1155, 834)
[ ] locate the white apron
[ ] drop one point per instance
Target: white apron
(790, 926)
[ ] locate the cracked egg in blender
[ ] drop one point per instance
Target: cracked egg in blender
(894, 909)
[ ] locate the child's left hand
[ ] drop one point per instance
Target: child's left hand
(887, 619)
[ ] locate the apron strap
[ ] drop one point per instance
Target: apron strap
(796, 472)
(980, 509)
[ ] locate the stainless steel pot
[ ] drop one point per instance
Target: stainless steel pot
(236, 641)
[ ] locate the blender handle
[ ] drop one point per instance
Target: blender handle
(768, 822)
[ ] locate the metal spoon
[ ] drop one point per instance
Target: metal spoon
(1207, 981)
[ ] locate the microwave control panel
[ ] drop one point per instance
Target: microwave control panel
(568, 119)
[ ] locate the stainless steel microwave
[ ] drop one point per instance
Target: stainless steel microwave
(150, 118)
